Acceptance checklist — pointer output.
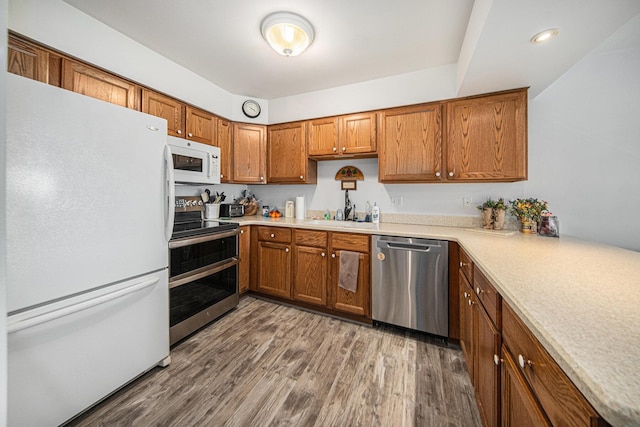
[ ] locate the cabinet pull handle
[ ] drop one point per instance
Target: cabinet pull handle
(179, 132)
(522, 362)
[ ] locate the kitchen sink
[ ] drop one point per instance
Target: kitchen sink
(342, 224)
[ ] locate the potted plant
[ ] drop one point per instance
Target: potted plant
(493, 214)
(528, 211)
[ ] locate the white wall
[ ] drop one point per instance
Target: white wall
(584, 146)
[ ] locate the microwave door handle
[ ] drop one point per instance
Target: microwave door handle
(171, 193)
(211, 163)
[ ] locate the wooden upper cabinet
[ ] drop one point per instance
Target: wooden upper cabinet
(249, 153)
(487, 138)
(27, 60)
(410, 144)
(358, 134)
(170, 109)
(287, 161)
(353, 135)
(322, 136)
(223, 140)
(90, 81)
(201, 126)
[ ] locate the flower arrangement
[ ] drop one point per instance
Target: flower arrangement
(528, 209)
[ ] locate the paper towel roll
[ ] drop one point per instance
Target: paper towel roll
(300, 208)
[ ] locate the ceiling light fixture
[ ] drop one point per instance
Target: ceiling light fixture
(287, 33)
(545, 36)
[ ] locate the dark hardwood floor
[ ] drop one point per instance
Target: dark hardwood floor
(268, 364)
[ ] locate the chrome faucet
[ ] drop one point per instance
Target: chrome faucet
(347, 205)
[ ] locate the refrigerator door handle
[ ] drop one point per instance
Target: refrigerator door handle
(171, 193)
(30, 322)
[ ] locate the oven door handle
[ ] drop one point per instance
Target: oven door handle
(171, 193)
(201, 239)
(191, 276)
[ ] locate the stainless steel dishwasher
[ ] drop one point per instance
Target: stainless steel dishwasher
(411, 283)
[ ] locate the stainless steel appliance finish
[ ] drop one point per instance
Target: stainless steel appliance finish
(203, 273)
(411, 283)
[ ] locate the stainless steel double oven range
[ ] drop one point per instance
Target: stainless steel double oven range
(203, 272)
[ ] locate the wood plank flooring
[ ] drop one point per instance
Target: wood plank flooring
(267, 364)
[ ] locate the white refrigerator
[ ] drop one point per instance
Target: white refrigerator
(89, 215)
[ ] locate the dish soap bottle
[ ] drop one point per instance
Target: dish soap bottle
(375, 214)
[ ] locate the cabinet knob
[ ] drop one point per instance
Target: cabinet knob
(286, 250)
(450, 173)
(323, 254)
(262, 178)
(438, 174)
(301, 177)
(522, 362)
(273, 235)
(497, 359)
(221, 176)
(344, 149)
(466, 295)
(190, 134)
(179, 132)
(462, 264)
(335, 149)
(470, 301)
(478, 290)
(333, 255)
(241, 231)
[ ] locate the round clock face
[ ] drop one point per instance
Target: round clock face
(251, 108)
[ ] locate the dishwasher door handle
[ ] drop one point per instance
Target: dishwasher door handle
(409, 247)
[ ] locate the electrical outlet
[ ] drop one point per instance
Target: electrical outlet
(466, 202)
(396, 201)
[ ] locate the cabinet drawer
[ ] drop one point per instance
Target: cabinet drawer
(561, 400)
(350, 242)
(466, 265)
(274, 234)
(317, 239)
(488, 297)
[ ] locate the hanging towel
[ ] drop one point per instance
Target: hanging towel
(349, 263)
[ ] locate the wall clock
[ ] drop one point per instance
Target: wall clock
(251, 108)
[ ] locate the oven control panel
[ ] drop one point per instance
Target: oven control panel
(189, 204)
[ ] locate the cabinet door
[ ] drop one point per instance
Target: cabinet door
(487, 138)
(358, 133)
(466, 322)
(166, 107)
(201, 126)
(27, 60)
(274, 269)
(223, 140)
(519, 406)
(287, 153)
(249, 153)
(310, 275)
(322, 137)
(98, 84)
(358, 302)
(487, 351)
(244, 252)
(410, 144)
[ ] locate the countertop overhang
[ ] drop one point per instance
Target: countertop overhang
(580, 299)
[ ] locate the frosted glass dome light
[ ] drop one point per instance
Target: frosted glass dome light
(287, 33)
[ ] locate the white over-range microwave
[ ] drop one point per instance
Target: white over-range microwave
(193, 162)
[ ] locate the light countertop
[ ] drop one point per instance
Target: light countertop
(580, 299)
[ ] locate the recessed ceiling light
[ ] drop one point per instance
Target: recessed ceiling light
(287, 33)
(544, 36)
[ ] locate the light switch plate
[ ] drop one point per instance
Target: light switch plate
(396, 201)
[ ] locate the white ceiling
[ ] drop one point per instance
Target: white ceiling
(360, 40)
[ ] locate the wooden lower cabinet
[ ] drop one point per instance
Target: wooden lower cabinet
(467, 313)
(310, 268)
(487, 368)
(359, 302)
(244, 253)
(274, 269)
(519, 407)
